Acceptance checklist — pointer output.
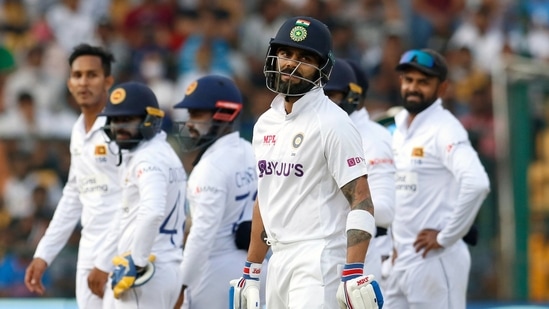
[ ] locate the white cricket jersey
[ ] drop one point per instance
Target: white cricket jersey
(89, 195)
(378, 152)
(150, 214)
(221, 192)
(303, 160)
(440, 181)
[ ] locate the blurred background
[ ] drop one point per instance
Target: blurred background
(498, 56)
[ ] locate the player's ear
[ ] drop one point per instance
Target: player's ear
(109, 81)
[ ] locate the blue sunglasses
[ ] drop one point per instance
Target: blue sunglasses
(419, 57)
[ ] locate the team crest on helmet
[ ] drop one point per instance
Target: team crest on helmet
(298, 33)
(298, 139)
(118, 95)
(191, 88)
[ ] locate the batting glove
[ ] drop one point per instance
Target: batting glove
(244, 292)
(126, 276)
(357, 291)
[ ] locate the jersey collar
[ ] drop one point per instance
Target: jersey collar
(401, 118)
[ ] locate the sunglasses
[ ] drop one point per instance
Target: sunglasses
(419, 57)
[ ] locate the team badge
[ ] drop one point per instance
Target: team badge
(118, 95)
(298, 139)
(191, 88)
(298, 33)
(100, 150)
(417, 152)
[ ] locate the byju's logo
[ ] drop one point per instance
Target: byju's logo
(279, 169)
(354, 161)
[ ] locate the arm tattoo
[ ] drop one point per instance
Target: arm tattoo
(355, 190)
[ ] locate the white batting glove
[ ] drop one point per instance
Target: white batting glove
(244, 292)
(357, 291)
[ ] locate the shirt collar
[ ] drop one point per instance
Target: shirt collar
(309, 100)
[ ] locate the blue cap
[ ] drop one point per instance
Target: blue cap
(130, 99)
(205, 92)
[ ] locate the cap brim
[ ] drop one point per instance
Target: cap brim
(413, 65)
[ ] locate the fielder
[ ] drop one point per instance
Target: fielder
(221, 190)
(440, 186)
(313, 207)
(92, 187)
(147, 230)
(342, 89)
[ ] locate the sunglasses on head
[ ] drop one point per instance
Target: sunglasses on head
(419, 57)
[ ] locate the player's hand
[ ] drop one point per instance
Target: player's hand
(33, 276)
(358, 291)
(244, 292)
(97, 279)
(126, 275)
(426, 240)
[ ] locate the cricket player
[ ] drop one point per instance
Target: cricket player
(147, 229)
(221, 191)
(92, 187)
(342, 89)
(440, 186)
(313, 206)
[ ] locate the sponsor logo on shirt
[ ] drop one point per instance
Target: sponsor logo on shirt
(203, 189)
(244, 178)
(452, 146)
(417, 152)
(92, 185)
(406, 181)
(100, 153)
(269, 139)
(147, 169)
(379, 161)
(285, 169)
(354, 161)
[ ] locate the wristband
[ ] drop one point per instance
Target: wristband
(351, 271)
(359, 219)
(252, 271)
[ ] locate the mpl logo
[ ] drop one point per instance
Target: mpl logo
(362, 281)
(269, 139)
(354, 161)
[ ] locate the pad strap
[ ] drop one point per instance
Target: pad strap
(359, 219)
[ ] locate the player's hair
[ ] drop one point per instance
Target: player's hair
(88, 50)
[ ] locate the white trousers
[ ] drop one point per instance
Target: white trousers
(160, 292)
(84, 296)
(305, 275)
(438, 282)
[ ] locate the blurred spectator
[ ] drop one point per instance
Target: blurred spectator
(69, 25)
(18, 187)
(14, 23)
(206, 51)
(109, 37)
(32, 77)
(481, 34)
(433, 22)
(26, 119)
(153, 71)
(343, 39)
(256, 31)
(7, 65)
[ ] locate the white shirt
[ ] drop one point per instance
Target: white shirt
(378, 152)
(89, 195)
(221, 192)
(440, 181)
(304, 158)
(150, 214)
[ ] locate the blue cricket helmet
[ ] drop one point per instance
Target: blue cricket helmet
(133, 99)
(343, 80)
(214, 93)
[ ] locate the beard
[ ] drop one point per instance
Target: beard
(299, 88)
(414, 107)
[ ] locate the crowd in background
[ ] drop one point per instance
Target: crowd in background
(168, 43)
